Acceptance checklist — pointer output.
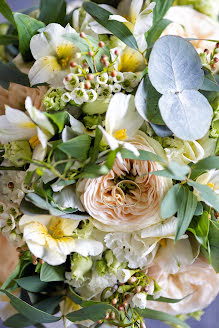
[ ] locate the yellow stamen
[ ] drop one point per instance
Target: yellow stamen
(130, 61)
(65, 53)
(163, 242)
(34, 141)
(56, 230)
(211, 185)
(121, 134)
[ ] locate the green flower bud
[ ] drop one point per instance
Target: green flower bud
(101, 267)
(90, 121)
(111, 261)
(214, 131)
(53, 100)
(16, 151)
(80, 265)
(96, 107)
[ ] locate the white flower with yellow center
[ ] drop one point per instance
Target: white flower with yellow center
(52, 54)
(210, 179)
(51, 238)
(122, 122)
(138, 19)
(16, 125)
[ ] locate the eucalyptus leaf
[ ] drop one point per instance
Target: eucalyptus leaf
(27, 27)
(143, 156)
(50, 273)
(77, 147)
(214, 244)
(49, 304)
(18, 321)
(207, 194)
(166, 299)
(32, 284)
(209, 84)
(59, 119)
(174, 171)
(208, 163)
(187, 203)
(187, 114)
(169, 205)
(161, 130)
(29, 311)
(6, 11)
(162, 316)
(199, 209)
(180, 68)
(52, 11)
(146, 102)
(117, 28)
(10, 73)
(29, 208)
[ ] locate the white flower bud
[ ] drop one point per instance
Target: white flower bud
(123, 275)
(139, 300)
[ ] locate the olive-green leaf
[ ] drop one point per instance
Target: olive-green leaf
(160, 9)
(169, 205)
(6, 11)
(52, 273)
(18, 321)
(144, 156)
(77, 147)
(214, 244)
(187, 204)
(27, 27)
(10, 73)
(117, 28)
(200, 228)
(162, 316)
(30, 312)
(8, 39)
(52, 11)
(32, 284)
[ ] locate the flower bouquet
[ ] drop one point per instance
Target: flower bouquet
(109, 169)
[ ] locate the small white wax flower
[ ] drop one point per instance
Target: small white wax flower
(66, 97)
(105, 90)
(71, 81)
(79, 96)
(117, 87)
(139, 300)
(123, 275)
(92, 95)
(130, 81)
(103, 78)
(118, 78)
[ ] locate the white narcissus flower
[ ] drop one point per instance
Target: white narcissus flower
(141, 208)
(16, 125)
(52, 54)
(210, 179)
(197, 282)
(50, 238)
(139, 300)
(188, 23)
(138, 21)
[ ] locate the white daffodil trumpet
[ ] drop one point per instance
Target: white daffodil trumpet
(53, 55)
(16, 125)
(51, 238)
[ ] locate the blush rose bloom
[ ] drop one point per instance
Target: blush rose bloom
(197, 280)
(153, 189)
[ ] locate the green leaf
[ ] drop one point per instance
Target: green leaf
(97, 140)
(209, 84)
(169, 205)
(49, 304)
(165, 299)
(117, 28)
(199, 209)
(94, 312)
(200, 228)
(205, 164)
(144, 156)
(59, 119)
(10, 73)
(29, 208)
(162, 316)
(77, 147)
(155, 32)
(27, 27)
(10, 284)
(6, 11)
(161, 9)
(52, 11)
(187, 203)
(174, 171)
(18, 321)
(29, 311)
(207, 194)
(214, 244)
(8, 39)
(52, 273)
(32, 284)
(146, 102)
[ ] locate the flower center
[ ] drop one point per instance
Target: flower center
(211, 185)
(34, 141)
(121, 134)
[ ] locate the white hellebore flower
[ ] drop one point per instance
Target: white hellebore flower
(138, 21)
(16, 125)
(139, 300)
(50, 238)
(122, 122)
(52, 54)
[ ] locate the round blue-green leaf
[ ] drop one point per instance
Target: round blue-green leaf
(174, 65)
(188, 114)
